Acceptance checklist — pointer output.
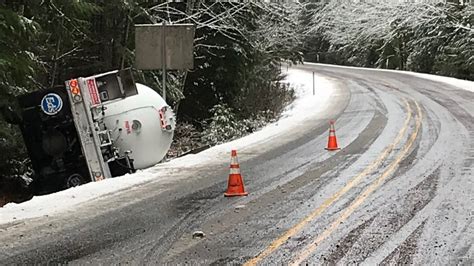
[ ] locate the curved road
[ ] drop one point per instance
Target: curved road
(399, 191)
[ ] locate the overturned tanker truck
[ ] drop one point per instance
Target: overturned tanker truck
(94, 128)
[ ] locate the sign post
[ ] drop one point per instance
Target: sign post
(163, 43)
(164, 46)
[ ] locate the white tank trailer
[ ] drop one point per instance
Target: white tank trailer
(94, 128)
(141, 125)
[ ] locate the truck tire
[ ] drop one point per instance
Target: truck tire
(74, 180)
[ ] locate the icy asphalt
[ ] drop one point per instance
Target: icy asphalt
(399, 191)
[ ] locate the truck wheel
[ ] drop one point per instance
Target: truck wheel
(74, 180)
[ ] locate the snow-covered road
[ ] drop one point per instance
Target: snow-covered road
(399, 191)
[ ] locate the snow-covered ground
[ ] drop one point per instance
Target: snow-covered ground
(460, 83)
(463, 84)
(305, 105)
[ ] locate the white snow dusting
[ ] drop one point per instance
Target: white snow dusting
(304, 106)
(459, 83)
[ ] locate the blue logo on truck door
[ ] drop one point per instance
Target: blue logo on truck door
(51, 104)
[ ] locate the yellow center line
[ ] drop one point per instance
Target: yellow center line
(310, 248)
(328, 202)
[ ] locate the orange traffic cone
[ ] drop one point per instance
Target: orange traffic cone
(332, 141)
(235, 185)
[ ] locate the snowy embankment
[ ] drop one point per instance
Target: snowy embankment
(304, 106)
